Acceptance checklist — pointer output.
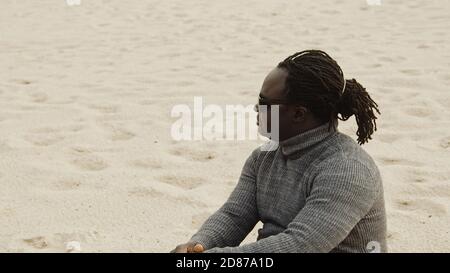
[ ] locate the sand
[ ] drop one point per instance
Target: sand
(86, 93)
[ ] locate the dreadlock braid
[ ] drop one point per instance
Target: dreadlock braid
(317, 82)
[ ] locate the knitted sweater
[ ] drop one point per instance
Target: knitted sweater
(318, 191)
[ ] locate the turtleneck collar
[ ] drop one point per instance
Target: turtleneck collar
(299, 143)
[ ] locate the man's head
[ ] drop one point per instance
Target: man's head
(293, 118)
(309, 89)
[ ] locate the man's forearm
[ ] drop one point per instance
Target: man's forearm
(226, 227)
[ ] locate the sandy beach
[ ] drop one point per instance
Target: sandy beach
(86, 92)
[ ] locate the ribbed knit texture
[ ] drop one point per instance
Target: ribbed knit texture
(318, 192)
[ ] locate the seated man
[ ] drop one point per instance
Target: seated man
(318, 190)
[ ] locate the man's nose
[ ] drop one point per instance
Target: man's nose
(256, 108)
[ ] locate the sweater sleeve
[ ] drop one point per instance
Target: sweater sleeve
(341, 194)
(237, 217)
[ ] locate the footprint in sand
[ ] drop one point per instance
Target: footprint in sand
(58, 242)
(421, 204)
(89, 162)
(375, 65)
(147, 163)
(24, 82)
(388, 138)
(144, 192)
(423, 46)
(39, 97)
(430, 188)
(411, 72)
(105, 109)
(445, 143)
(117, 132)
(37, 242)
(445, 77)
(419, 179)
(420, 112)
(184, 182)
(400, 161)
(81, 150)
(44, 137)
(148, 192)
(193, 154)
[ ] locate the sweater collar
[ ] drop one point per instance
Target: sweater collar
(300, 142)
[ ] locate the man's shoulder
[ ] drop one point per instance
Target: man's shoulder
(350, 156)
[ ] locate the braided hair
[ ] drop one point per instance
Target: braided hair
(317, 82)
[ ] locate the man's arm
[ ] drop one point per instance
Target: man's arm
(337, 202)
(237, 217)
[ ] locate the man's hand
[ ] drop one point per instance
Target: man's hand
(190, 247)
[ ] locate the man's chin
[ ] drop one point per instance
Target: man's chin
(264, 132)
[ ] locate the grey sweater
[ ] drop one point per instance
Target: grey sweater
(317, 192)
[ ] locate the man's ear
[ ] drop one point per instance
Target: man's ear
(299, 113)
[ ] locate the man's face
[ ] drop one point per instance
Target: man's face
(273, 88)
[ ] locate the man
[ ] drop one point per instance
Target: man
(319, 191)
